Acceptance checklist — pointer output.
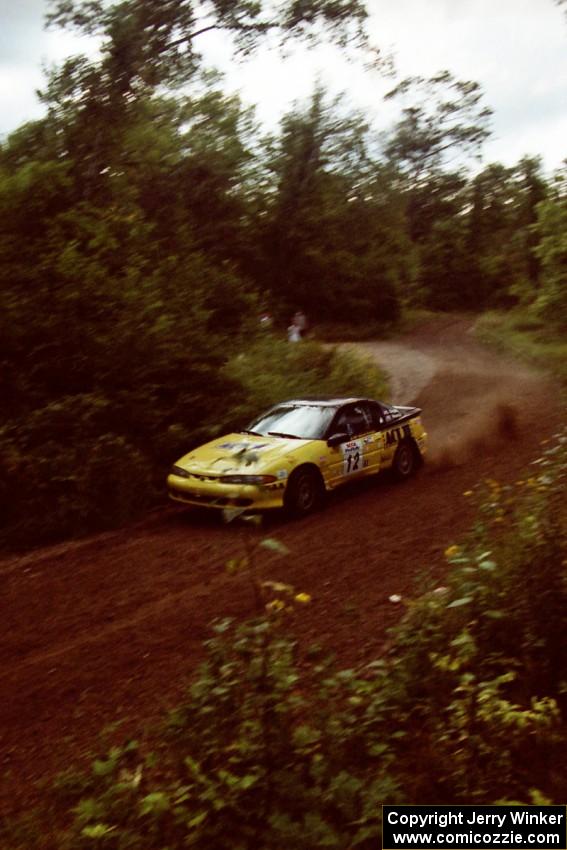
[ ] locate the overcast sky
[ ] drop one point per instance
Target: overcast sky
(516, 50)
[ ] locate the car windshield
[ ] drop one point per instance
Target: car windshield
(303, 422)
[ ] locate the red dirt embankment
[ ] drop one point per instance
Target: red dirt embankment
(106, 629)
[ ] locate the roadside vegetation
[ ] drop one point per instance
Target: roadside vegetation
(96, 460)
(276, 746)
(148, 221)
(528, 336)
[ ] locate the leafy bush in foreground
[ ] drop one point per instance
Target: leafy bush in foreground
(264, 753)
(480, 665)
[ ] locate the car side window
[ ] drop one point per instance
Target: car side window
(390, 414)
(376, 415)
(354, 420)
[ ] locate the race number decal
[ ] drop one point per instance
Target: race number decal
(353, 459)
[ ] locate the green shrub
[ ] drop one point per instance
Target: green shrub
(116, 483)
(273, 370)
(52, 489)
(480, 664)
(525, 334)
(265, 752)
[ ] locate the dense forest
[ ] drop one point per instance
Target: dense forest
(146, 221)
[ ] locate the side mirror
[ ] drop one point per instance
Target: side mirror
(337, 439)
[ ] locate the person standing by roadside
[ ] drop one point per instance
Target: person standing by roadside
(293, 332)
(300, 321)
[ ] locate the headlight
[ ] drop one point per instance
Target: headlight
(247, 479)
(181, 473)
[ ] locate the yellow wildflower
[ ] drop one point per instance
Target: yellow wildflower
(303, 598)
(452, 551)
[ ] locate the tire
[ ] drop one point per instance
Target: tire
(304, 492)
(405, 461)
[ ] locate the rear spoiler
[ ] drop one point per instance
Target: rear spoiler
(407, 413)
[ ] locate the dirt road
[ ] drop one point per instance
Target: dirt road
(105, 630)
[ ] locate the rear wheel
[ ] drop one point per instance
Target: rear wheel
(304, 492)
(405, 461)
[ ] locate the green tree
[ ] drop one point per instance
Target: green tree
(148, 46)
(443, 124)
(501, 240)
(335, 242)
(116, 310)
(552, 253)
(444, 274)
(145, 44)
(533, 190)
(491, 226)
(444, 120)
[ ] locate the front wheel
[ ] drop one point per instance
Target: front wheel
(405, 461)
(303, 493)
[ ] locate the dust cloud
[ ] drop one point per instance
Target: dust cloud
(480, 435)
(473, 400)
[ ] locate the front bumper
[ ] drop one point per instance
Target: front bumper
(213, 494)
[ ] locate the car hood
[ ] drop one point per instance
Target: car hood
(239, 454)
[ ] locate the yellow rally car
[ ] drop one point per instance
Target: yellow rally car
(296, 451)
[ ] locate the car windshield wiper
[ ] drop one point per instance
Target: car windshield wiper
(254, 433)
(286, 436)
